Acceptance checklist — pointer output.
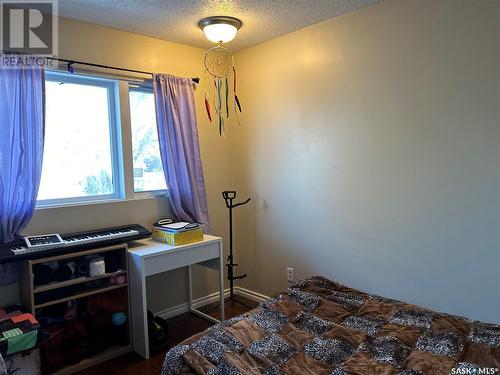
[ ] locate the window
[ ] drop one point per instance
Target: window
(84, 157)
(148, 169)
(81, 161)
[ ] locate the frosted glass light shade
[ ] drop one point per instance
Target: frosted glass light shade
(220, 29)
(220, 32)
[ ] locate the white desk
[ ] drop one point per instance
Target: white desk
(148, 257)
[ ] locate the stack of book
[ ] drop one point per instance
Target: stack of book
(179, 233)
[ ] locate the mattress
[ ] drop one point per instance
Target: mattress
(318, 326)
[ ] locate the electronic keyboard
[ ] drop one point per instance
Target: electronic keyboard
(18, 250)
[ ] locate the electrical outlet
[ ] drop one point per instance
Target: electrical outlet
(289, 274)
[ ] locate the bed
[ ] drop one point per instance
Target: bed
(318, 326)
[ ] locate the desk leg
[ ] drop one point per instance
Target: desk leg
(221, 281)
(139, 309)
(221, 290)
(190, 289)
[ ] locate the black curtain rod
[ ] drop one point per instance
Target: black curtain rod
(71, 62)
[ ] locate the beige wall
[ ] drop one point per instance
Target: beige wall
(371, 147)
(88, 42)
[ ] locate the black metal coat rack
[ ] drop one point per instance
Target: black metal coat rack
(229, 196)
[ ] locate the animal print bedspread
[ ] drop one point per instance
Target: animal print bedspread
(321, 327)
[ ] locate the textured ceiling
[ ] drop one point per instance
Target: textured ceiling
(176, 20)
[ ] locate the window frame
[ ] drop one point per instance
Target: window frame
(115, 130)
(143, 87)
(122, 162)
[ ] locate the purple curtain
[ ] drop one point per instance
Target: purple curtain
(21, 151)
(179, 148)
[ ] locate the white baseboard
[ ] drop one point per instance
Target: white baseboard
(211, 298)
(173, 311)
(250, 294)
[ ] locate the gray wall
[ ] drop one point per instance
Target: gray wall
(372, 149)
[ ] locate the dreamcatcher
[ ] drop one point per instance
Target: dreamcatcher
(219, 63)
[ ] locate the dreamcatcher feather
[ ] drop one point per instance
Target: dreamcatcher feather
(219, 63)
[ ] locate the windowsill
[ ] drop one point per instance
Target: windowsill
(150, 194)
(136, 197)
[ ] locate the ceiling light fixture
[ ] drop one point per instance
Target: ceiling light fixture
(220, 29)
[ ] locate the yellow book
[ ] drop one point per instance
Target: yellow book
(180, 238)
